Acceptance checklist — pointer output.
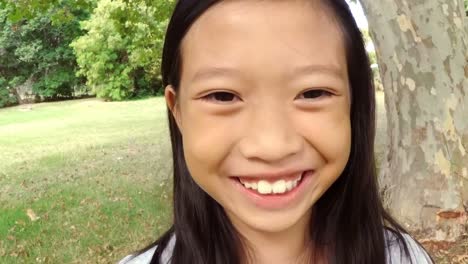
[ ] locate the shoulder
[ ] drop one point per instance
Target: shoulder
(145, 257)
(396, 251)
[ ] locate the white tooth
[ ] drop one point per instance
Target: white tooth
(289, 185)
(264, 187)
(254, 185)
(294, 184)
(247, 185)
(279, 186)
(298, 178)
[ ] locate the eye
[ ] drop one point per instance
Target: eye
(314, 94)
(224, 97)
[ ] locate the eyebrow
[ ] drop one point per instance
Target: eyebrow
(210, 72)
(318, 68)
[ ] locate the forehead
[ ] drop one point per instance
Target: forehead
(249, 34)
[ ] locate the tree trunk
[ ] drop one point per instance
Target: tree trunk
(24, 92)
(421, 47)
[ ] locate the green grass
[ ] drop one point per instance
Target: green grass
(94, 173)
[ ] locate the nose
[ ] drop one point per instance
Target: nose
(270, 137)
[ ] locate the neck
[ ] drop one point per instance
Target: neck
(290, 246)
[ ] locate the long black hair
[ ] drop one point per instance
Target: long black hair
(349, 221)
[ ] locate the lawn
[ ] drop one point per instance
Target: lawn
(82, 181)
(87, 181)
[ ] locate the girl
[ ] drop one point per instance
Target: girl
(271, 114)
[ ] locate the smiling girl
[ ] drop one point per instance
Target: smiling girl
(271, 114)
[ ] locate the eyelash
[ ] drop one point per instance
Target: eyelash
(322, 93)
(212, 96)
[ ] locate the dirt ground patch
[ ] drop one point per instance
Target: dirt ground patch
(449, 253)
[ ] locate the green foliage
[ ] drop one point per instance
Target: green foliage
(466, 7)
(120, 55)
(366, 35)
(6, 95)
(367, 41)
(35, 46)
(59, 10)
(372, 57)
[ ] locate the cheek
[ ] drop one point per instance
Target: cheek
(329, 133)
(337, 134)
(207, 140)
(329, 137)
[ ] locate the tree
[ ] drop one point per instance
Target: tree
(59, 10)
(422, 55)
(35, 46)
(120, 55)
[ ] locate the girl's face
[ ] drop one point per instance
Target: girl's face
(264, 109)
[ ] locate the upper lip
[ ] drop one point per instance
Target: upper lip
(272, 174)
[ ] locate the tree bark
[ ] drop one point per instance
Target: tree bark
(421, 48)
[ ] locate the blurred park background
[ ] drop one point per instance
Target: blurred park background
(85, 165)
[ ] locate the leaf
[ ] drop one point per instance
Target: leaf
(32, 216)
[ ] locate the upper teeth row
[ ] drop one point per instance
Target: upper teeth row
(264, 187)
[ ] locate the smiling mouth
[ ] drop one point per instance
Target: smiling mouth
(279, 186)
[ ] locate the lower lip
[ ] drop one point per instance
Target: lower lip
(276, 201)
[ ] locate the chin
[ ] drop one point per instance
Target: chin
(272, 222)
